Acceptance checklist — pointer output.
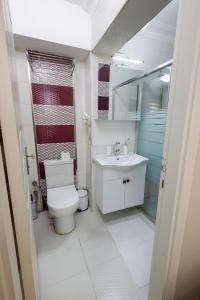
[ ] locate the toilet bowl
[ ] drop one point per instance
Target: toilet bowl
(62, 203)
(62, 197)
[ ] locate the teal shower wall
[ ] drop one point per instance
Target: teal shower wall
(150, 144)
(151, 135)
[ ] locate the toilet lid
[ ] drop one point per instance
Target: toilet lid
(62, 197)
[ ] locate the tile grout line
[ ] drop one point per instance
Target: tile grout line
(62, 280)
(66, 278)
(87, 266)
(88, 271)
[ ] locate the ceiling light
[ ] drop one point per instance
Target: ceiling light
(165, 78)
(124, 59)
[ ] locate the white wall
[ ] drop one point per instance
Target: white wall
(152, 51)
(25, 97)
(106, 132)
(55, 21)
(155, 43)
(81, 130)
(103, 16)
(103, 132)
(88, 86)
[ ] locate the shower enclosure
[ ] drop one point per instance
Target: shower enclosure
(151, 128)
(151, 132)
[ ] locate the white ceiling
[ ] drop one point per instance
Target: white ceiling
(88, 5)
(163, 26)
(154, 44)
(169, 14)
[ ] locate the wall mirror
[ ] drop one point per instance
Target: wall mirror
(119, 93)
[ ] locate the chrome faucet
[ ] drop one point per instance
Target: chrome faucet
(116, 148)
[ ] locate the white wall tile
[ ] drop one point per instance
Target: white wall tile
(81, 134)
(109, 132)
(81, 180)
(105, 133)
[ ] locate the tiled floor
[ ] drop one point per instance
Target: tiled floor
(134, 238)
(86, 264)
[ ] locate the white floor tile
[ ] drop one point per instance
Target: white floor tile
(112, 281)
(59, 256)
(49, 241)
(75, 288)
(99, 250)
(90, 226)
(121, 215)
(64, 260)
(59, 264)
(134, 239)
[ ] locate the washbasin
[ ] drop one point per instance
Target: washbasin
(119, 161)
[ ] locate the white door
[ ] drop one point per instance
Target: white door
(10, 287)
(134, 191)
(113, 197)
(12, 133)
(181, 146)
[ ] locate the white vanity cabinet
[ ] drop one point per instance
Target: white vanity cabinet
(116, 189)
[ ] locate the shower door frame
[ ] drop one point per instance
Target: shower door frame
(140, 94)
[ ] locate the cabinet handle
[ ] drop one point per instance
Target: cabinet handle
(128, 180)
(124, 181)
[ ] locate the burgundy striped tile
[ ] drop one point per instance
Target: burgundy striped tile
(53, 114)
(103, 103)
(54, 133)
(104, 72)
(53, 150)
(43, 187)
(41, 170)
(52, 90)
(52, 94)
(103, 88)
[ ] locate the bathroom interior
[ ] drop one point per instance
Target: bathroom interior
(94, 130)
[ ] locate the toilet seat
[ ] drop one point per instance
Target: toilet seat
(62, 197)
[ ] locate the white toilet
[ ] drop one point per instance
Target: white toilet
(62, 197)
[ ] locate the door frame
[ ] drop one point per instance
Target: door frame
(183, 132)
(10, 284)
(10, 125)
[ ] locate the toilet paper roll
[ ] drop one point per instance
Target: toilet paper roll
(65, 155)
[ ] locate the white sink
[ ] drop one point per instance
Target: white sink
(120, 161)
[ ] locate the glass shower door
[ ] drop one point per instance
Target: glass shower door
(152, 133)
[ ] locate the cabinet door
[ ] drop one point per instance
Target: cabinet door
(134, 191)
(113, 195)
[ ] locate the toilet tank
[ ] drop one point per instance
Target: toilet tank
(59, 172)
